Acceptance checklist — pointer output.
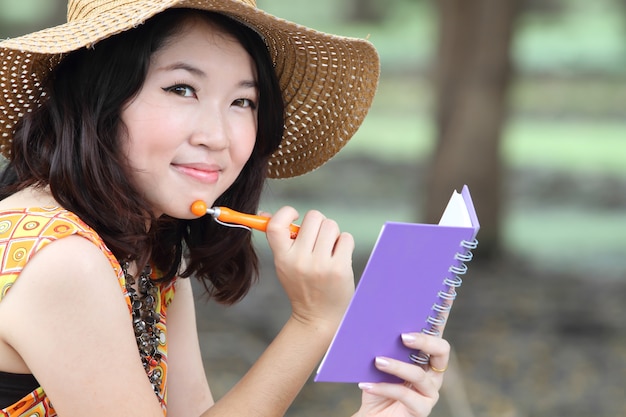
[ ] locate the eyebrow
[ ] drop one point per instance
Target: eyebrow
(184, 66)
(249, 84)
(198, 72)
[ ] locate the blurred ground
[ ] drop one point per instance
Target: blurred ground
(528, 342)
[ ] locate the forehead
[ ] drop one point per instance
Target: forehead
(200, 26)
(204, 48)
(199, 38)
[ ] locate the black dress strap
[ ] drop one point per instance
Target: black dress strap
(14, 387)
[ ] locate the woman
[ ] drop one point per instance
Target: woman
(113, 125)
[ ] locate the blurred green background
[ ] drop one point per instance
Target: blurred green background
(564, 143)
(538, 331)
(563, 146)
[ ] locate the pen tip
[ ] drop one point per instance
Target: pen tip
(199, 208)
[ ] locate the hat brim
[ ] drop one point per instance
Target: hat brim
(328, 82)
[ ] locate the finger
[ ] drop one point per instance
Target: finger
(437, 348)
(424, 382)
(310, 230)
(344, 246)
(278, 233)
(330, 240)
(419, 393)
(327, 237)
(264, 214)
(334, 248)
(418, 404)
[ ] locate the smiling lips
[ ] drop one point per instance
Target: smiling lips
(208, 174)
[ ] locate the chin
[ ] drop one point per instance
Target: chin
(182, 215)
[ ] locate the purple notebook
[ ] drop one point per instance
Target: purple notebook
(407, 286)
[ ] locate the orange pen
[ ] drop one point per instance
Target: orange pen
(228, 217)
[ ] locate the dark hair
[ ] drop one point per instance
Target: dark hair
(72, 143)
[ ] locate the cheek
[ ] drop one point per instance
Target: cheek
(243, 150)
(148, 141)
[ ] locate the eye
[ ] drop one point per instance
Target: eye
(182, 90)
(245, 103)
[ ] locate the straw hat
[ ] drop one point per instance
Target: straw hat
(328, 82)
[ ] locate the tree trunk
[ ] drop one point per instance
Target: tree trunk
(472, 77)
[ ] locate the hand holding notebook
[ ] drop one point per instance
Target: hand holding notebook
(408, 285)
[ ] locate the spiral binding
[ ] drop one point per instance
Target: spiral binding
(443, 306)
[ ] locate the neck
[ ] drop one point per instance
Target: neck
(30, 197)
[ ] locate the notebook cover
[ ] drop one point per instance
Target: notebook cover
(396, 294)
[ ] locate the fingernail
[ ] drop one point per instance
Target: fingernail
(365, 386)
(407, 338)
(381, 362)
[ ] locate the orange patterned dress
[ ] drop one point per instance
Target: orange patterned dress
(23, 232)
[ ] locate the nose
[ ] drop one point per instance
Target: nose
(211, 131)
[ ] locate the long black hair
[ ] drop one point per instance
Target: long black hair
(73, 144)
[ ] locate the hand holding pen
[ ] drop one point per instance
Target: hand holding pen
(232, 218)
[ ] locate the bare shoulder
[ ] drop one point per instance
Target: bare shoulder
(68, 311)
(64, 274)
(67, 266)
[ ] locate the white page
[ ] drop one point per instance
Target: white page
(456, 213)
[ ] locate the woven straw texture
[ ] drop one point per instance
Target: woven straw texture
(328, 82)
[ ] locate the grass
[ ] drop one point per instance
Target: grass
(570, 239)
(566, 138)
(561, 146)
(588, 36)
(567, 146)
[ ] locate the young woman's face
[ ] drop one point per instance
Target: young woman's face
(193, 125)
